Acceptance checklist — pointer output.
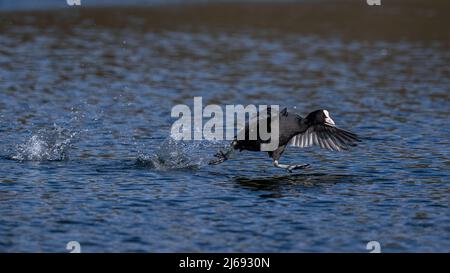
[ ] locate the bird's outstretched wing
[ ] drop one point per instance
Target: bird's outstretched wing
(327, 137)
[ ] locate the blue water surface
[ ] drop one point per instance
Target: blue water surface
(85, 153)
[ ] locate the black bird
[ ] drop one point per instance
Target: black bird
(317, 128)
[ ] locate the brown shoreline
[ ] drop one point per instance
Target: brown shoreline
(396, 20)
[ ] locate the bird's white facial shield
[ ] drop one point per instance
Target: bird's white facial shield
(328, 119)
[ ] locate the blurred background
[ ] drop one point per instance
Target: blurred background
(85, 99)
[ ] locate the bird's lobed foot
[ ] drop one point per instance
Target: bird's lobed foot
(297, 167)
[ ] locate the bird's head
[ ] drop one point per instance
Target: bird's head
(320, 117)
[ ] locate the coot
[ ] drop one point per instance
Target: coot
(317, 128)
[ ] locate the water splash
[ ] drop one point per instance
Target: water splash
(174, 154)
(46, 145)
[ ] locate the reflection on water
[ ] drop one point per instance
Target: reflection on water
(280, 182)
(85, 101)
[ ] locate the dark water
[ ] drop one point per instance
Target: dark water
(85, 155)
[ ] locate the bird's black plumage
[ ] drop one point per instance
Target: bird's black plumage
(317, 128)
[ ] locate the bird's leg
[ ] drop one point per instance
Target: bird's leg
(290, 168)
